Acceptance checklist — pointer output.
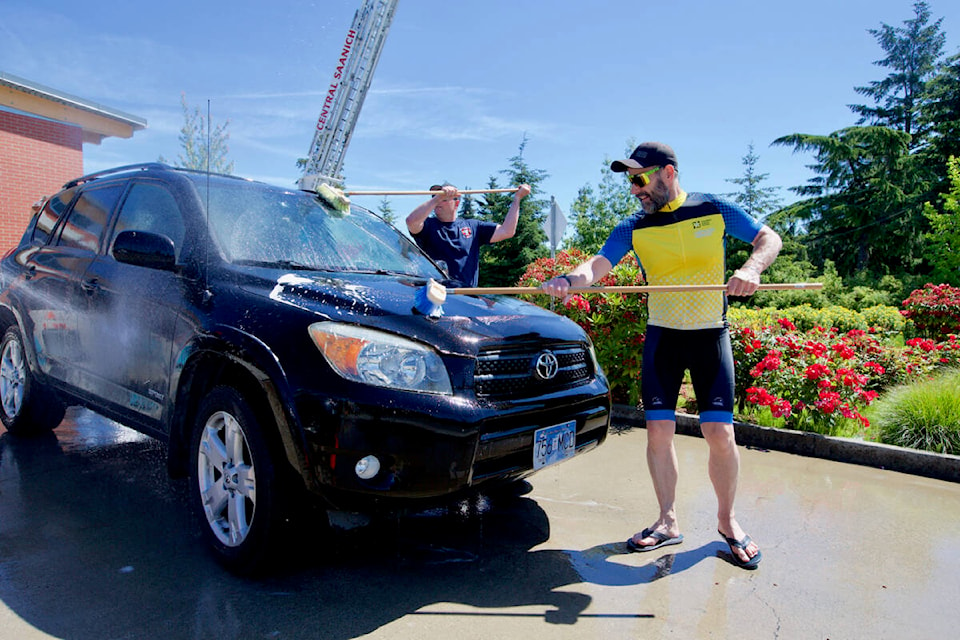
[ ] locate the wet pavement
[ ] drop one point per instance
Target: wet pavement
(96, 542)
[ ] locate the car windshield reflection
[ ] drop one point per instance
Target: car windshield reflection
(295, 230)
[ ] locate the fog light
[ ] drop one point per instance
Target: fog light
(367, 467)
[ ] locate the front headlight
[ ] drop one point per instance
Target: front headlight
(381, 359)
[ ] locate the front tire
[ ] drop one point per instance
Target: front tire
(27, 408)
(233, 478)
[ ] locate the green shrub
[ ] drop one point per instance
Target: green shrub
(752, 318)
(879, 319)
(924, 415)
(862, 297)
(885, 319)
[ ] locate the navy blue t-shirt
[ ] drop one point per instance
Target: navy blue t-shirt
(458, 244)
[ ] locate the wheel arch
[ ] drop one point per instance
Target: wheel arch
(37, 407)
(254, 373)
(9, 317)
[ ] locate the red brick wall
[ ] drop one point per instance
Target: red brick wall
(36, 157)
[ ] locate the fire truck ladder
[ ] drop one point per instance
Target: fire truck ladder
(347, 90)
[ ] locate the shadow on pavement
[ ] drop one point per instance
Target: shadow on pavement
(96, 542)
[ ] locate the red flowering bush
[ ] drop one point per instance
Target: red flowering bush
(934, 310)
(822, 379)
(615, 322)
(811, 381)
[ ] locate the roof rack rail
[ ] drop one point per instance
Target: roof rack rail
(143, 166)
(213, 173)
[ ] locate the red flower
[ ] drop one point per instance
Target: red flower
(843, 351)
(579, 302)
(786, 324)
(828, 402)
(780, 409)
(817, 349)
(816, 371)
(876, 368)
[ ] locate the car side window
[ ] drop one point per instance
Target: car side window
(50, 214)
(87, 220)
(151, 207)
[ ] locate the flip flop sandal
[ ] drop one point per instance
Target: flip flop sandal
(662, 539)
(741, 544)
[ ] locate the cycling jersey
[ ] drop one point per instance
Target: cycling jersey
(683, 243)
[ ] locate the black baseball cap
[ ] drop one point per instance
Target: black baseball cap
(648, 154)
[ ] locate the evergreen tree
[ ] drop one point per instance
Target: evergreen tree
(864, 208)
(468, 206)
(762, 203)
(944, 250)
(503, 263)
(913, 53)
(757, 200)
(941, 116)
(203, 148)
(385, 209)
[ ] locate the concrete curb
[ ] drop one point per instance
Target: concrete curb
(870, 454)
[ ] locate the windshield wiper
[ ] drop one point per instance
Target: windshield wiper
(282, 264)
(384, 272)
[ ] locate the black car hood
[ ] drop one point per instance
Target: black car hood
(468, 323)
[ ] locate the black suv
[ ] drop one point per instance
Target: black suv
(273, 342)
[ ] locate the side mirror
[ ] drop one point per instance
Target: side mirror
(145, 249)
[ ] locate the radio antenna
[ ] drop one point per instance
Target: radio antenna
(206, 245)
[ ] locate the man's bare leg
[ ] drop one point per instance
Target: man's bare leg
(724, 468)
(664, 471)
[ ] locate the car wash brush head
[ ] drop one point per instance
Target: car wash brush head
(430, 298)
(334, 197)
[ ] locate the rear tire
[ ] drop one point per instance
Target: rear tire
(27, 408)
(233, 482)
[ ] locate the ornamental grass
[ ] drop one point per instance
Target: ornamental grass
(924, 415)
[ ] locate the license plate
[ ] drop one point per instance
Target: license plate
(553, 444)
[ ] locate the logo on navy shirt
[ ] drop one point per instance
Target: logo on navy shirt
(466, 232)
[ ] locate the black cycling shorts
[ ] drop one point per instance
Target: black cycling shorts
(706, 353)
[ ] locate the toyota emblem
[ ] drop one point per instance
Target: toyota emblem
(547, 365)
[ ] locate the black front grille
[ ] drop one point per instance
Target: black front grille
(512, 372)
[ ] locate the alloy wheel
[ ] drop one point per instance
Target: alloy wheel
(12, 376)
(227, 479)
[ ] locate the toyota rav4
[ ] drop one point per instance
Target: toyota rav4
(273, 342)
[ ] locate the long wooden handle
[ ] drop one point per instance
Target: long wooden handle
(424, 193)
(773, 286)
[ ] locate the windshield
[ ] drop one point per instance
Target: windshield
(261, 225)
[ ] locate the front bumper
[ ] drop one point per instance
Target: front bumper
(437, 455)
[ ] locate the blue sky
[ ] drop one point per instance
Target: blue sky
(460, 83)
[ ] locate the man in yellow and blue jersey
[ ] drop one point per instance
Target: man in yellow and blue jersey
(679, 239)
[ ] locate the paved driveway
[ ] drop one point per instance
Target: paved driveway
(95, 543)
